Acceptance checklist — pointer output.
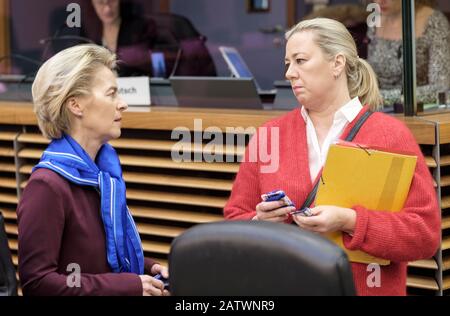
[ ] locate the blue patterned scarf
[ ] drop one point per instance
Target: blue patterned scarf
(67, 158)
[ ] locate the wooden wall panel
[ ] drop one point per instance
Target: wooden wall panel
(166, 197)
(4, 35)
(291, 16)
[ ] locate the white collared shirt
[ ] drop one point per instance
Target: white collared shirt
(317, 155)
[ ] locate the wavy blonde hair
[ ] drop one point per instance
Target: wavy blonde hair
(69, 73)
(333, 38)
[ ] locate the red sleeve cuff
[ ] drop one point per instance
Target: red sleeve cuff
(356, 241)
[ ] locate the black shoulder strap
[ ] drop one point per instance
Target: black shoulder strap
(355, 129)
(349, 138)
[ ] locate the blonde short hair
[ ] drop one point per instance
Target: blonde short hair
(333, 38)
(69, 73)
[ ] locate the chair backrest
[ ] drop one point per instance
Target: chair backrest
(179, 25)
(60, 35)
(256, 258)
(8, 281)
(184, 47)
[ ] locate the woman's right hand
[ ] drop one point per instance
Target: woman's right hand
(275, 211)
(151, 286)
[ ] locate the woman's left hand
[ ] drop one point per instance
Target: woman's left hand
(159, 269)
(328, 219)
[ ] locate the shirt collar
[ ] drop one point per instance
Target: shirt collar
(349, 111)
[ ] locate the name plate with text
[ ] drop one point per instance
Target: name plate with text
(135, 91)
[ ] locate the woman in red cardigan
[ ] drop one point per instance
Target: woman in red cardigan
(332, 84)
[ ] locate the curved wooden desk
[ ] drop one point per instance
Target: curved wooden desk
(167, 197)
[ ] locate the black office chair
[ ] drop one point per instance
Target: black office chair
(256, 258)
(186, 51)
(180, 26)
(8, 281)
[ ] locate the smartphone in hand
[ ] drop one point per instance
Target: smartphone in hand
(281, 195)
(164, 281)
(277, 195)
(303, 212)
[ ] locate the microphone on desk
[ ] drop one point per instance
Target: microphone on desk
(56, 38)
(19, 78)
(64, 38)
(177, 62)
(17, 87)
(20, 57)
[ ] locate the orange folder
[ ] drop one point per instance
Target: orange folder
(374, 178)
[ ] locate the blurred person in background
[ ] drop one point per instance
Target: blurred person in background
(385, 51)
(114, 25)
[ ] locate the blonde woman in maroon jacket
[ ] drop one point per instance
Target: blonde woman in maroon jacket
(335, 88)
(70, 239)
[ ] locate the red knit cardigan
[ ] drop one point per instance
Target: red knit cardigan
(411, 234)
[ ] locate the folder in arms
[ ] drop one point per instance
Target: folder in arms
(356, 175)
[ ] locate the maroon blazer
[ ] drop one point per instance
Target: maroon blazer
(60, 225)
